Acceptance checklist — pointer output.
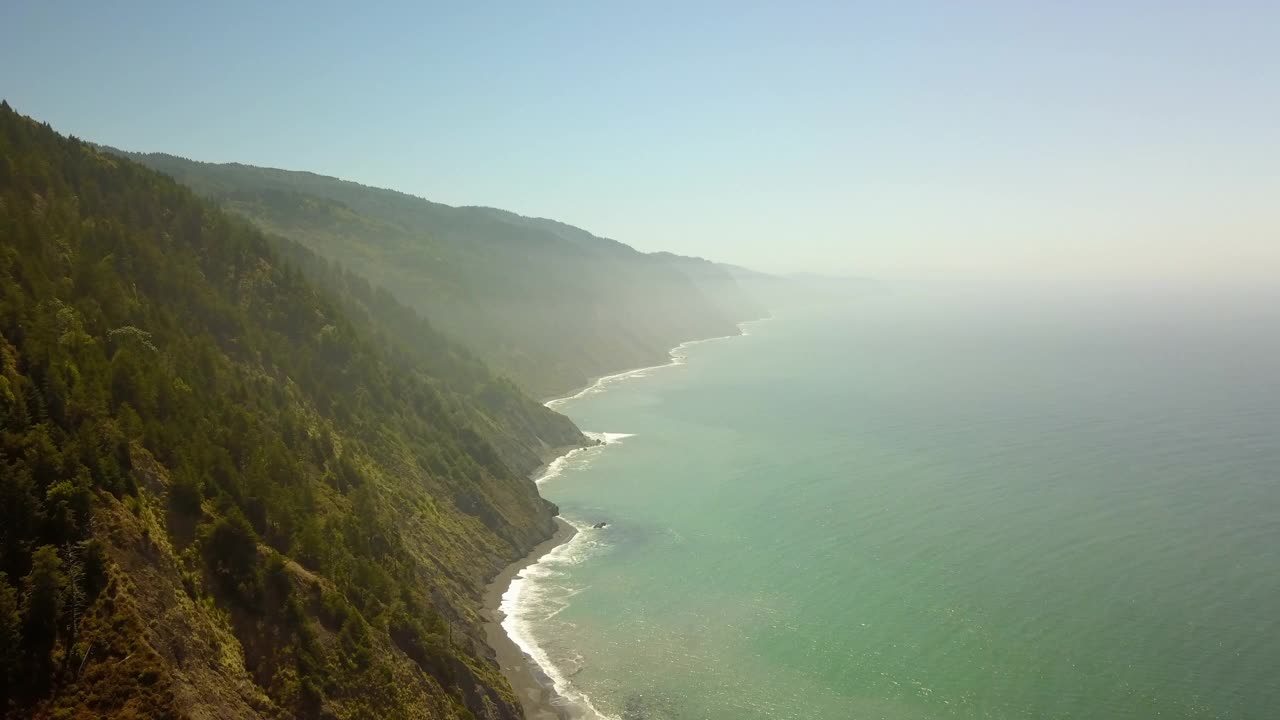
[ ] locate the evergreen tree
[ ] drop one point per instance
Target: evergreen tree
(44, 594)
(10, 640)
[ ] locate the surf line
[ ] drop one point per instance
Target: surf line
(518, 603)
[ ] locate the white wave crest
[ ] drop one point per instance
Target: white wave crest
(608, 438)
(579, 457)
(533, 597)
(557, 466)
(606, 381)
(676, 358)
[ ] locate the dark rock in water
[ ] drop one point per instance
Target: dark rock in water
(599, 525)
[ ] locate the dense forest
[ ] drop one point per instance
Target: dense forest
(521, 429)
(545, 303)
(235, 480)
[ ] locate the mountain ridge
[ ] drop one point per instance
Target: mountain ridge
(221, 495)
(546, 303)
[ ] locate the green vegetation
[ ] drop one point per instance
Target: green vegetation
(544, 303)
(235, 480)
(520, 429)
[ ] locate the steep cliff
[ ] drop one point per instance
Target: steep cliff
(222, 494)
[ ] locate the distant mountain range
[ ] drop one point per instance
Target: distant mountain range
(547, 304)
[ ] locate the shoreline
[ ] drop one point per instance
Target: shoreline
(532, 686)
(672, 359)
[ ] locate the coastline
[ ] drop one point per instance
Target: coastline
(672, 359)
(532, 686)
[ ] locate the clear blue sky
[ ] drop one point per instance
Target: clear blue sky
(1092, 142)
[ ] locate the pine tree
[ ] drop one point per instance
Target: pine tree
(10, 639)
(44, 593)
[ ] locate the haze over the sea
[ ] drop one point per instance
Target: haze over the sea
(925, 508)
(1009, 449)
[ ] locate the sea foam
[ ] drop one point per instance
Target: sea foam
(676, 358)
(535, 595)
(579, 457)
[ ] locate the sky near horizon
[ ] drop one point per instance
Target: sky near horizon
(1122, 144)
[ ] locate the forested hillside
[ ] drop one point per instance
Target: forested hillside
(225, 492)
(545, 303)
(718, 283)
(522, 430)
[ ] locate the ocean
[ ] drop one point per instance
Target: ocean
(893, 508)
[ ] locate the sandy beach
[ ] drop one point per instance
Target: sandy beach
(528, 681)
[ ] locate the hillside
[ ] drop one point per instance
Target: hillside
(547, 304)
(522, 431)
(226, 491)
(718, 284)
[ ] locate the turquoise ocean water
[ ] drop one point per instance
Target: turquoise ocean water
(897, 510)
